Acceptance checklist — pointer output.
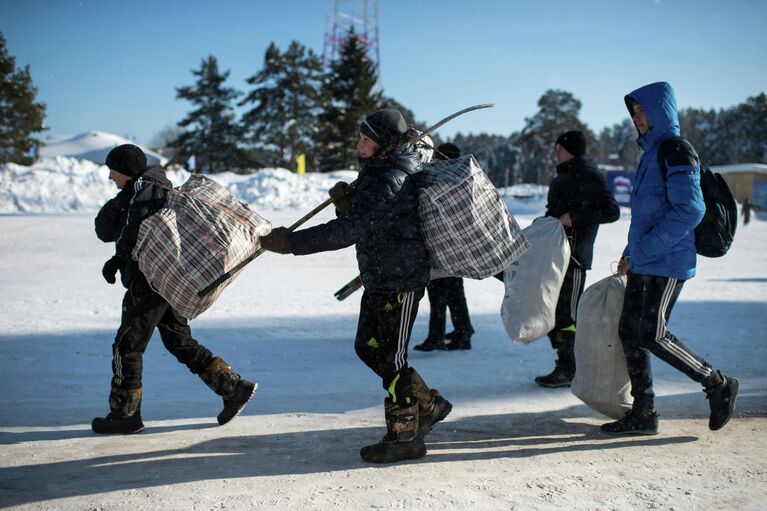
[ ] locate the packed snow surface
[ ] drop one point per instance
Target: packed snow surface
(508, 444)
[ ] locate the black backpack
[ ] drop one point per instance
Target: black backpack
(714, 234)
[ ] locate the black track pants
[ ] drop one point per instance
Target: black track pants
(142, 311)
(646, 310)
(443, 294)
(383, 334)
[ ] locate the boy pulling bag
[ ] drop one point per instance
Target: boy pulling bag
(601, 378)
(201, 233)
(467, 227)
(534, 280)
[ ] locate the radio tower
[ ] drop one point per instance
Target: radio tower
(345, 15)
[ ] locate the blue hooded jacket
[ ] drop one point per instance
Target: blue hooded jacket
(664, 211)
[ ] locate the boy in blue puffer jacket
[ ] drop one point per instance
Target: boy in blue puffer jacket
(659, 258)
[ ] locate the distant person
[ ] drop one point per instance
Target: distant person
(143, 191)
(380, 217)
(447, 293)
(659, 258)
(580, 199)
(746, 211)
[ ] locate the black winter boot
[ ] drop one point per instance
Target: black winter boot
(432, 408)
(430, 344)
(234, 405)
(455, 334)
(633, 423)
(402, 441)
(225, 382)
(458, 344)
(114, 425)
(124, 417)
(564, 368)
(721, 399)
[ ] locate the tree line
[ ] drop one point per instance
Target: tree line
(296, 107)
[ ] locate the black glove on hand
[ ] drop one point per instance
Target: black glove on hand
(277, 241)
(341, 193)
(109, 271)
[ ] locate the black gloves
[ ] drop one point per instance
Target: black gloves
(277, 241)
(341, 193)
(109, 271)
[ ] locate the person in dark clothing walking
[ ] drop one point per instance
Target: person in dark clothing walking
(659, 258)
(379, 215)
(447, 293)
(581, 199)
(746, 211)
(143, 191)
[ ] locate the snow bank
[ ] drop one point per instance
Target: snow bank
(69, 185)
(93, 146)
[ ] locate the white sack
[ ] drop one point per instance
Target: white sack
(534, 280)
(601, 378)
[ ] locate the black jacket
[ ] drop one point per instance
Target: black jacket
(580, 190)
(382, 222)
(120, 218)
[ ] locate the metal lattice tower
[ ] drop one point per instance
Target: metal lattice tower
(345, 15)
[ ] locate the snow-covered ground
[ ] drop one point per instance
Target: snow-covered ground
(508, 444)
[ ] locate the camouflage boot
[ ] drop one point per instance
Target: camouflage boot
(402, 441)
(225, 382)
(124, 416)
(432, 407)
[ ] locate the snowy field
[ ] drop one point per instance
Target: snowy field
(508, 444)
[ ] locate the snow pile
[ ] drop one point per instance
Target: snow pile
(93, 146)
(68, 185)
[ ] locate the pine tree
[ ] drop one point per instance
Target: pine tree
(283, 122)
(20, 115)
(558, 112)
(617, 145)
(495, 153)
(349, 95)
(752, 119)
(213, 134)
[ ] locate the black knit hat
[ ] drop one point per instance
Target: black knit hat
(574, 142)
(384, 127)
(127, 159)
(449, 149)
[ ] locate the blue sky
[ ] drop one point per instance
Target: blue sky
(114, 65)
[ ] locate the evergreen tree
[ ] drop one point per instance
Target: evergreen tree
(349, 94)
(558, 112)
(20, 115)
(617, 145)
(496, 154)
(283, 122)
(752, 119)
(695, 125)
(213, 133)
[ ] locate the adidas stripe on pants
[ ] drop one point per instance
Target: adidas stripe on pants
(646, 310)
(383, 334)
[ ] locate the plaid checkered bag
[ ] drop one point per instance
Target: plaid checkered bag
(467, 227)
(201, 233)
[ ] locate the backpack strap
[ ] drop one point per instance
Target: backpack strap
(677, 151)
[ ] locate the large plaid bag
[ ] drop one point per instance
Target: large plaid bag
(201, 233)
(467, 227)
